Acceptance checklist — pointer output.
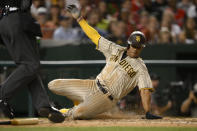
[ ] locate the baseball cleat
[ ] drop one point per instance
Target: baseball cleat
(56, 117)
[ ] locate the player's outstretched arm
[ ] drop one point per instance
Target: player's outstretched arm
(146, 99)
(90, 32)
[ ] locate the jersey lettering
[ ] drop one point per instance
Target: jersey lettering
(114, 58)
(127, 67)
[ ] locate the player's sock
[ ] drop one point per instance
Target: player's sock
(63, 110)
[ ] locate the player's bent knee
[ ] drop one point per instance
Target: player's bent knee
(53, 84)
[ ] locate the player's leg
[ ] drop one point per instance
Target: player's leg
(94, 104)
(74, 89)
(41, 102)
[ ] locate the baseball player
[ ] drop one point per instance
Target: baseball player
(124, 70)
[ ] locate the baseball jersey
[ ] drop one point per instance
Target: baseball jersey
(120, 76)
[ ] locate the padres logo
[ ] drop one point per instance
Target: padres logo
(138, 38)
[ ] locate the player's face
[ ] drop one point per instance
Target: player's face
(134, 52)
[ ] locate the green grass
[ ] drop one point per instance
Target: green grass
(99, 129)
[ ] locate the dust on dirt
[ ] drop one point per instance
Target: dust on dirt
(118, 120)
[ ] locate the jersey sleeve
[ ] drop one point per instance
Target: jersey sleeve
(90, 31)
(144, 81)
(107, 47)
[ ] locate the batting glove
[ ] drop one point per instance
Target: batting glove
(152, 116)
(73, 10)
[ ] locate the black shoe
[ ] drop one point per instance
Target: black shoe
(6, 109)
(52, 114)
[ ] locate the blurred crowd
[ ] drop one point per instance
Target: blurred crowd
(178, 98)
(162, 21)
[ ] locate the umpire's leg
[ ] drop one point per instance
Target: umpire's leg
(38, 93)
(24, 50)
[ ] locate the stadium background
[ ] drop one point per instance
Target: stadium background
(170, 27)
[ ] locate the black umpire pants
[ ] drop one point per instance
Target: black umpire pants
(17, 31)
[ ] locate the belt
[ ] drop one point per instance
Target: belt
(104, 90)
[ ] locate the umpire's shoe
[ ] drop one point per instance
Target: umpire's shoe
(6, 109)
(52, 113)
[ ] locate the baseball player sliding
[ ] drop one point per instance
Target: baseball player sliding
(124, 70)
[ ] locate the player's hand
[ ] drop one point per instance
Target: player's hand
(152, 116)
(73, 10)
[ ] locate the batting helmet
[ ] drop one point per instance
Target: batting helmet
(137, 39)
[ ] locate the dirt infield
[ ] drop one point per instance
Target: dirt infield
(119, 120)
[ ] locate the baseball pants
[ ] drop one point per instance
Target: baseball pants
(92, 100)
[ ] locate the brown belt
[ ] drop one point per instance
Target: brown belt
(104, 90)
